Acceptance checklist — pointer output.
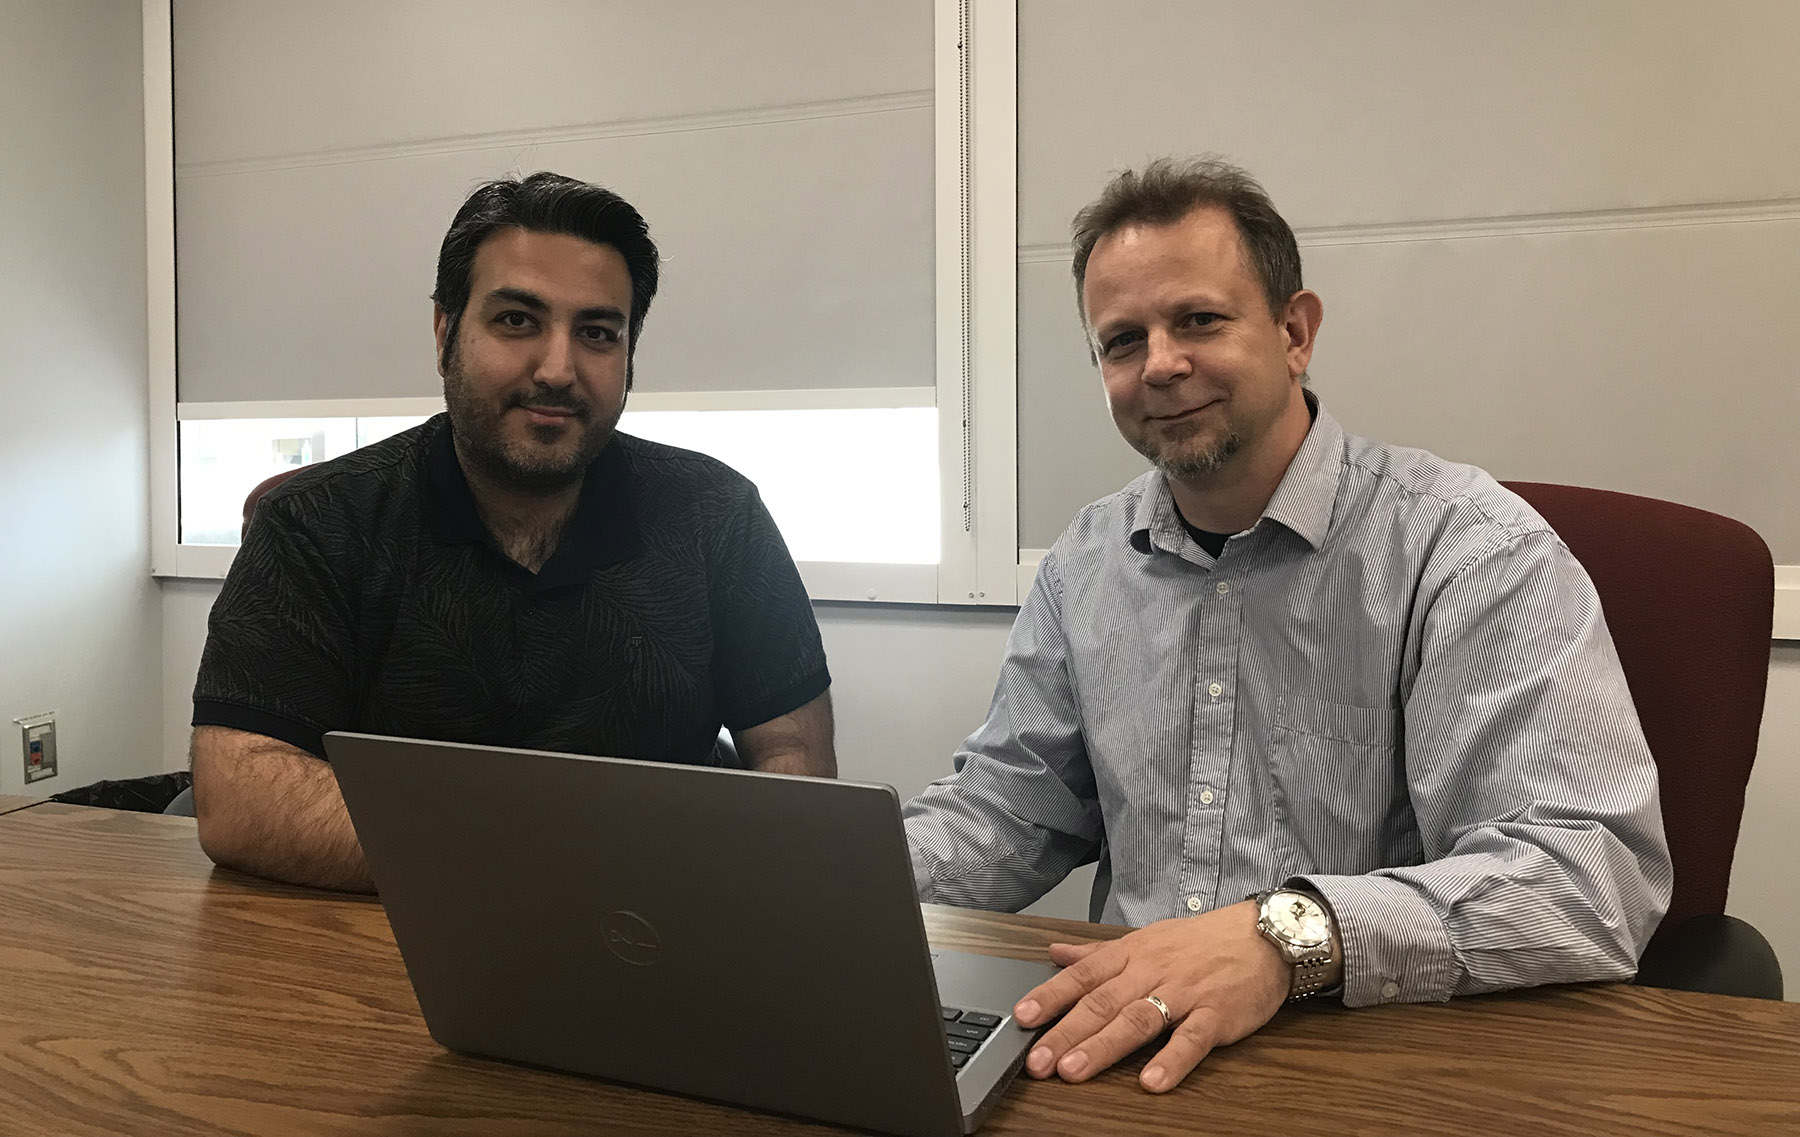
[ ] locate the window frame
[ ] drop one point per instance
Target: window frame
(973, 386)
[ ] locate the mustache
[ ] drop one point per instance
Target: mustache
(550, 398)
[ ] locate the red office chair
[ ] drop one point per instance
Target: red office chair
(1690, 598)
(262, 488)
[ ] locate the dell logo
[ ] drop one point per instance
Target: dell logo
(630, 937)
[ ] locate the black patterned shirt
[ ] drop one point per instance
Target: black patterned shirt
(369, 596)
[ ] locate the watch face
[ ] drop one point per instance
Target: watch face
(1298, 919)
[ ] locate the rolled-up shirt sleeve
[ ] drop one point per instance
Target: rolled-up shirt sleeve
(1021, 810)
(1535, 794)
(280, 656)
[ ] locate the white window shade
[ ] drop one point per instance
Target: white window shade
(783, 154)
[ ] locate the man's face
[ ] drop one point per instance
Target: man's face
(1197, 370)
(536, 380)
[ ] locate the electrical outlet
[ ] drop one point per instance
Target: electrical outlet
(38, 735)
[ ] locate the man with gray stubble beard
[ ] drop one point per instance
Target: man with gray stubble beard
(1364, 687)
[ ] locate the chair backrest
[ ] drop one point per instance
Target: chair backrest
(1690, 599)
(256, 495)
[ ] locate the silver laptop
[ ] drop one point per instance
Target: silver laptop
(744, 937)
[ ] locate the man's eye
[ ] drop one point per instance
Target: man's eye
(600, 333)
(1119, 344)
(515, 321)
(1203, 319)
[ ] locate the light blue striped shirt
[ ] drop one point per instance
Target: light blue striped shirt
(1396, 687)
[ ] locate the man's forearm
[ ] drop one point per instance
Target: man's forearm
(1531, 785)
(1567, 910)
(796, 761)
(799, 742)
(972, 851)
(274, 811)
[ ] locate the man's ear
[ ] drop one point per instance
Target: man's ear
(1300, 322)
(440, 329)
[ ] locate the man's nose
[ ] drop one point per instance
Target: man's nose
(1164, 361)
(556, 366)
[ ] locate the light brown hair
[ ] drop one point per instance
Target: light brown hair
(1167, 190)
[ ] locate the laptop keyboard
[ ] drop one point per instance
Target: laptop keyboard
(966, 1031)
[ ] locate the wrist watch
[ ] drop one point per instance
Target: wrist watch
(1299, 926)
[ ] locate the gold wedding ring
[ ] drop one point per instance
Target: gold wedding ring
(1162, 1009)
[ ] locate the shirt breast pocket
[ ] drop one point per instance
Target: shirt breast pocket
(1341, 787)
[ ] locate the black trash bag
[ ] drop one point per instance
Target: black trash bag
(139, 795)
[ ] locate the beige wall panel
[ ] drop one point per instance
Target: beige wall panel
(1370, 113)
(1069, 451)
(797, 254)
(1659, 361)
(260, 78)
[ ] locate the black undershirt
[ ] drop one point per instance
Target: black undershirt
(1213, 543)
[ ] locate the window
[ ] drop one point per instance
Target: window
(843, 485)
(803, 174)
(223, 459)
(877, 504)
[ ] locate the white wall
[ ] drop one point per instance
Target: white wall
(78, 610)
(1763, 888)
(908, 685)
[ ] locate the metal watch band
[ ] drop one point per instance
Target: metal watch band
(1309, 978)
(1309, 973)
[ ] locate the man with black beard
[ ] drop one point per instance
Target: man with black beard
(514, 572)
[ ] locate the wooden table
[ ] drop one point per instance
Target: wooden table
(12, 802)
(144, 992)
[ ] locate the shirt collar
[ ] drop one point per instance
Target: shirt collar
(1308, 490)
(1302, 502)
(603, 530)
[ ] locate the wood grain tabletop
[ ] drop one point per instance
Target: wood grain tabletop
(142, 991)
(11, 802)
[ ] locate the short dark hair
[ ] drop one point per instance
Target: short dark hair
(1167, 190)
(544, 203)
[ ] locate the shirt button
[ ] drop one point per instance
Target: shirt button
(1193, 903)
(1206, 797)
(1215, 690)
(1223, 587)
(1390, 989)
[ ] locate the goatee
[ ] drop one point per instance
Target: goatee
(1201, 463)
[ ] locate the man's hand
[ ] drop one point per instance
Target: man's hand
(1220, 979)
